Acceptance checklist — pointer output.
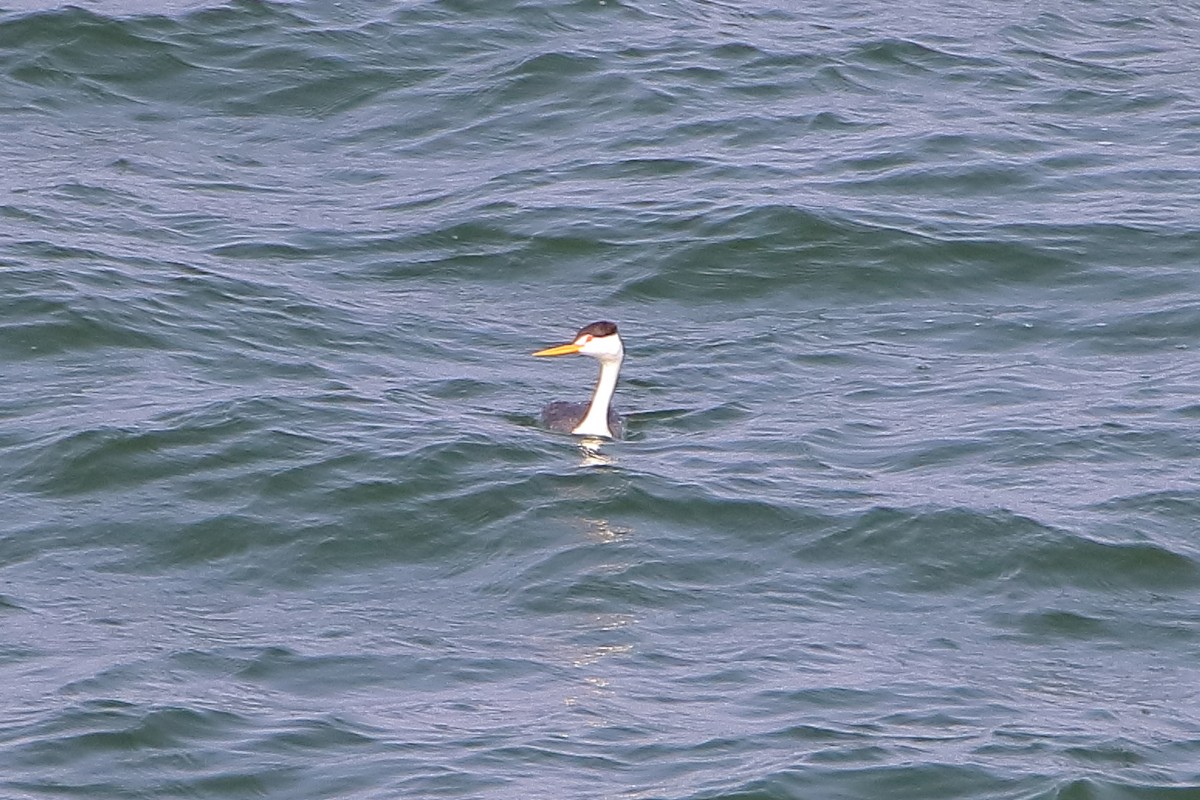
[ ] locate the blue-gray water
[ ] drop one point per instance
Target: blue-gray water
(909, 505)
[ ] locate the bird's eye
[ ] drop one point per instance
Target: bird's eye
(587, 337)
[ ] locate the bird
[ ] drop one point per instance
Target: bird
(601, 341)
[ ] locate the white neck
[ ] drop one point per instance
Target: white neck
(595, 421)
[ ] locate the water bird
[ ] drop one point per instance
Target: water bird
(601, 341)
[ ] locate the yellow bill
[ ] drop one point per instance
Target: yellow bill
(561, 350)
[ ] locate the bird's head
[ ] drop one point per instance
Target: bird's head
(598, 340)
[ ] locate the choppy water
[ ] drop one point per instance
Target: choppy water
(909, 504)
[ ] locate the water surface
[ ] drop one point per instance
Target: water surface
(908, 503)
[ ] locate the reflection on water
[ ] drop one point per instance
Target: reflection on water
(604, 531)
(592, 457)
(601, 637)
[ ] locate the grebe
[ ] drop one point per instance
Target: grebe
(595, 418)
